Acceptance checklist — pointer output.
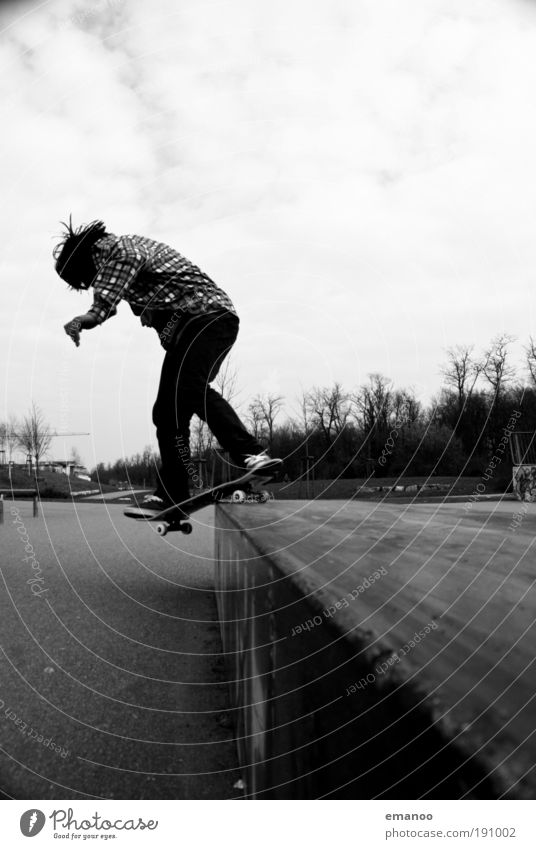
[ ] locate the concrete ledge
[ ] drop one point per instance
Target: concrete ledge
(328, 702)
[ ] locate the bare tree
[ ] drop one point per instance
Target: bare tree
(373, 403)
(227, 379)
(202, 437)
(11, 438)
(3, 434)
(264, 410)
(302, 422)
(495, 366)
(406, 407)
(255, 420)
(530, 353)
(34, 436)
(461, 373)
(330, 409)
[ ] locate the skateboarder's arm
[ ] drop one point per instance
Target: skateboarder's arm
(110, 285)
(115, 277)
(80, 322)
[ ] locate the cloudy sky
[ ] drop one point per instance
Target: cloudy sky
(359, 175)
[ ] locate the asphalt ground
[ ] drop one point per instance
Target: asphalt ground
(112, 682)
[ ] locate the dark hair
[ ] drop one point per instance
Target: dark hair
(74, 262)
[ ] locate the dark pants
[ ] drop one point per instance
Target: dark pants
(192, 361)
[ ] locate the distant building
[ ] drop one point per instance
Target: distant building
(67, 467)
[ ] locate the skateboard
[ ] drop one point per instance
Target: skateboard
(243, 488)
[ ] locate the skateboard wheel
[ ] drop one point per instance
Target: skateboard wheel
(186, 528)
(238, 496)
(162, 528)
(264, 496)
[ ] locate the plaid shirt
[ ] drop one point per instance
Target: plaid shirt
(150, 276)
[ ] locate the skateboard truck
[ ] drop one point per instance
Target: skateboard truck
(239, 496)
(163, 527)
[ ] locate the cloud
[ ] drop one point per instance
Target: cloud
(363, 170)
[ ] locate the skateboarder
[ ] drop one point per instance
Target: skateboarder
(197, 326)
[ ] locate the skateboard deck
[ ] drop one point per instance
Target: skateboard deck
(175, 518)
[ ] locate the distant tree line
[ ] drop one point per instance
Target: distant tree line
(387, 431)
(378, 429)
(138, 470)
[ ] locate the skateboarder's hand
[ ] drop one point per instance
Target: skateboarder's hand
(80, 322)
(72, 329)
(147, 317)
